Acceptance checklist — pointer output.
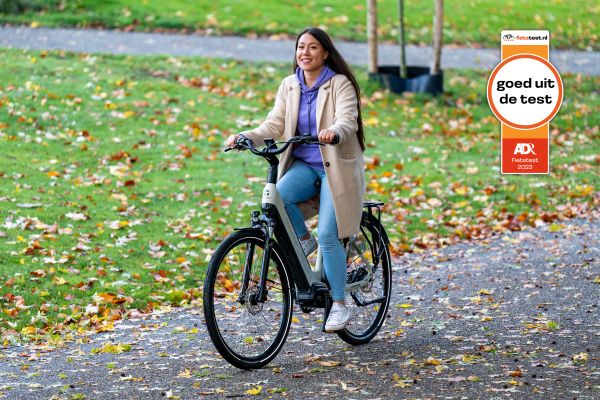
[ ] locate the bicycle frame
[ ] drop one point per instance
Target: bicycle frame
(310, 287)
(303, 275)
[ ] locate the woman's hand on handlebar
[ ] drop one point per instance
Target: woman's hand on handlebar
(239, 142)
(231, 140)
(328, 136)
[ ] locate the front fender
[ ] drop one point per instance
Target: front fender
(260, 232)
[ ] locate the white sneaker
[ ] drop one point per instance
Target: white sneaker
(309, 245)
(339, 316)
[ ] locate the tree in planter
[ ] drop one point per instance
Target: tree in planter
(402, 40)
(372, 35)
(438, 30)
(403, 78)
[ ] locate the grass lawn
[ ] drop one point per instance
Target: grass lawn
(114, 189)
(473, 23)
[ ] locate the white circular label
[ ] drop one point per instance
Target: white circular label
(525, 91)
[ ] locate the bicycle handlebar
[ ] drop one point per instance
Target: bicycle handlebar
(271, 149)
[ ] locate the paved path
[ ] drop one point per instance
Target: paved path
(115, 42)
(516, 317)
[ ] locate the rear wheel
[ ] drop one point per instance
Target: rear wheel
(246, 331)
(369, 282)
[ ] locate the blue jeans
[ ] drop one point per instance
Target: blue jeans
(300, 183)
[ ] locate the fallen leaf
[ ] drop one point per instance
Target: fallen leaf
(432, 361)
(329, 363)
(255, 391)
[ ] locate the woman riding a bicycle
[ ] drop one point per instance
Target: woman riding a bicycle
(321, 99)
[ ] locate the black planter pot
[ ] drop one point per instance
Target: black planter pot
(418, 80)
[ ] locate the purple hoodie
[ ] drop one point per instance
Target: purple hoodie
(307, 117)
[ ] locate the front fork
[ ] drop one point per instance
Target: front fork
(266, 226)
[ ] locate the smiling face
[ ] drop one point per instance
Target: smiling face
(310, 55)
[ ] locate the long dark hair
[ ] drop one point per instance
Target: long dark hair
(336, 62)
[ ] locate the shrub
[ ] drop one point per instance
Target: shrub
(23, 6)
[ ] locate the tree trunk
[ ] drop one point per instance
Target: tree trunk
(438, 24)
(402, 39)
(372, 34)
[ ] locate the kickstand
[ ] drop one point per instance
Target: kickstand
(328, 304)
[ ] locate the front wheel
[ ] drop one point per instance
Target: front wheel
(369, 282)
(247, 331)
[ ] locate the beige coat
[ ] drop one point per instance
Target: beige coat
(344, 164)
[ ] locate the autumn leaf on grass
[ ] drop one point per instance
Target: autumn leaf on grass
(255, 391)
(459, 188)
(38, 273)
(118, 224)
(29, 330)
(58, 281)
(110, 298)
(434, 202)
(120, 170)
(113, 348)
(372, 163)
(76, 216)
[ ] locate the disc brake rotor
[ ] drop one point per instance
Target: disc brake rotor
(252, 304)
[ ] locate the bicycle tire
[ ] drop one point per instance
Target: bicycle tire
(233, 338)
(353, 334)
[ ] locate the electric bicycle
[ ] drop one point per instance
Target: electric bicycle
(258, 272)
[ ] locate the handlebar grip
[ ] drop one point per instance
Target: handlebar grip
(241, 143)
(243, 140)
